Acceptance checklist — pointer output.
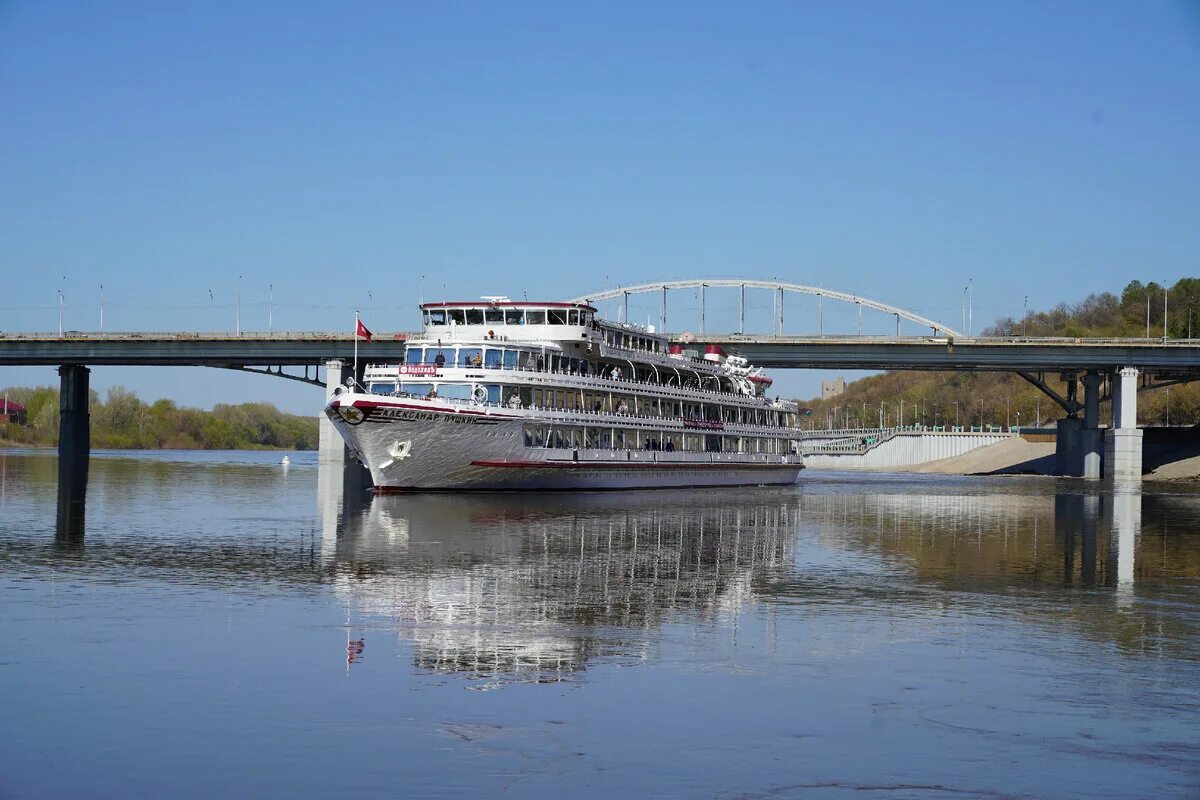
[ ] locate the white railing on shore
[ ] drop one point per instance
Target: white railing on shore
(861, 440)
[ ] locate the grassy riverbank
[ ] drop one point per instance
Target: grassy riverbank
(122, 421)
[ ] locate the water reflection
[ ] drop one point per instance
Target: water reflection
(532, 587)
(537, 586)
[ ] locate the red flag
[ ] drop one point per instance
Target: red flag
(361, 330)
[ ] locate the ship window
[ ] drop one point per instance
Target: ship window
(470, 356)
(492, 358)
(493, 394)
(510, 359)
(412, 355)
(557, 316)
(573, 316)
(459, 391)
(493, 315)
(381, 388)
(535, 317)
(431, 354)
(416, 388)
(437, 317)
(514, 316)
(458, 316)
(474, 316)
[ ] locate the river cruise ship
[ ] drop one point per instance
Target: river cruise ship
(501, 395)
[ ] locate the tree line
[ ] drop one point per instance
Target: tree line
(978, 399)
(122, 421)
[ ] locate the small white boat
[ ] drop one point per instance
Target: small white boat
(285, 461)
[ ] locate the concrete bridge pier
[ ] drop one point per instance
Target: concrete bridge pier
(74, 449)
(1091, 438)
(1123, 441)
(331, 448)
(1068, 450)
(74, 423)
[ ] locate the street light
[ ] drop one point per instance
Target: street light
(60, 313)
(1025, 319)
(237, 299)
(271, 307)
(102, 308)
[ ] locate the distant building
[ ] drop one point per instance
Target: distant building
(832, 388)
(12, 412)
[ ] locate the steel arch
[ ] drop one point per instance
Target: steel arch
(784, 286)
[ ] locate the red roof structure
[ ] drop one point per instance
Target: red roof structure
(9, 407)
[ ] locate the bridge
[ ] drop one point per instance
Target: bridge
(1113, 369)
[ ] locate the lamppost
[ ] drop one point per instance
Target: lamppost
(213, 302)
(271, 307)
(60, 313)
(1025, 319)
(1018, 421)
(1164, 311)
(237, 300)
(102, 308)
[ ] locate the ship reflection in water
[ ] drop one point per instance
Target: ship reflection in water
(531, 587)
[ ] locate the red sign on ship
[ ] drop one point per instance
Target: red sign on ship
(418, 369)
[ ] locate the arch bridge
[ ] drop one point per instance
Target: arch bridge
(778, 289)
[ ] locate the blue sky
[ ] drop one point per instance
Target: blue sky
(340, 154)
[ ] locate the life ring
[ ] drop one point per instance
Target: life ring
(480, 395)
(399, 450)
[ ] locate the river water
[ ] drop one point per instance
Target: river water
(216, 624)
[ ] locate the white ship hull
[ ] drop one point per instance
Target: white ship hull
(415, 445)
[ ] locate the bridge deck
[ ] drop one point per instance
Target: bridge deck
(1180, 357)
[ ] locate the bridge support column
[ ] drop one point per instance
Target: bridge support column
(1123, 442)
(1068, 452)
(331, 447)
(1092, 439)
(74, 448)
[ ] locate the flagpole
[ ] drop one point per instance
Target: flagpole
(355, 375)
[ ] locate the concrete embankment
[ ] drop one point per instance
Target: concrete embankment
(1170, 455)
(1013, 456)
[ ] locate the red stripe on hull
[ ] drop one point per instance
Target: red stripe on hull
(627, 465)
